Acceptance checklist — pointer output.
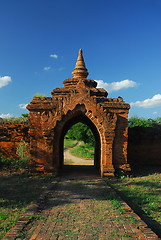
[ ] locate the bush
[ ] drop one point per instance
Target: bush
(135, 121)
(23, 154)
(39, 95)
(21, 162)
(6, 162)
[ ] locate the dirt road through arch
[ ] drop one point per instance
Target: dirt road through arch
(70, 159)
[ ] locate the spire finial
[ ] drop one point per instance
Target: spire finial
(80, 69)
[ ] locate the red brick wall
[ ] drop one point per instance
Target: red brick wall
(10, 137)
(144, 146)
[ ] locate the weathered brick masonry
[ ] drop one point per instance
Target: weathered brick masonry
(10, 137)
(79, 100)
(143, 143)
(144, 146)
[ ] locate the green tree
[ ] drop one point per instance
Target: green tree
(135, 121)
(81, 132)
(25, 115)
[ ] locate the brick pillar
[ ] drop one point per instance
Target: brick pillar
(107, 168)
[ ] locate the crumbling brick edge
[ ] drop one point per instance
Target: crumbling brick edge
(142, 229)
(12, 234)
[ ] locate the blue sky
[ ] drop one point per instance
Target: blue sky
(121, 42)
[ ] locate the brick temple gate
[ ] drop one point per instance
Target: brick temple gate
(78, 101)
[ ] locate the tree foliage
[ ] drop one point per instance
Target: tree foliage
(135, 121)
(81, 132)
(25, 115)
(15, 120)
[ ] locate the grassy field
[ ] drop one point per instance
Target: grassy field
(83, 150)
(68, 143)
(143, 193)
(18, 190)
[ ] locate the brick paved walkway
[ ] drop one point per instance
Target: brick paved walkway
(86, 209)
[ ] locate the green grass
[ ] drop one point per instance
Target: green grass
(22, 160)
(69, 143)
(143, 194)
(18, 190)
(10, 163)
(83, 150)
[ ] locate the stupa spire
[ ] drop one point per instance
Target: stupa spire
(80, 70)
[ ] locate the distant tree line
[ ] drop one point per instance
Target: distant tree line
(15, 120)
(141, 129)
(135, 121)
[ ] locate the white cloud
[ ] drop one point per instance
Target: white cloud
(47, 68)
(8, 115)
(61, 69)
(116, 86)
(155, 101)
(4, 81)
(23, 106)
(53, 55)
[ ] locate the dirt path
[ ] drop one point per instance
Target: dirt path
(70, 159)
(86, 209)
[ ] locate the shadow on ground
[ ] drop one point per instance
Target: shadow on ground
(79, 171)
(142, 170)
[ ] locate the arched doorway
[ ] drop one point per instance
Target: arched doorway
(80, 117)
(78, 101)
(79, 145)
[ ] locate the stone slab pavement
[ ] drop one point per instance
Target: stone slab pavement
(85, 208)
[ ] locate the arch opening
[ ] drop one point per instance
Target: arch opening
(79, 146)
(80, 118)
